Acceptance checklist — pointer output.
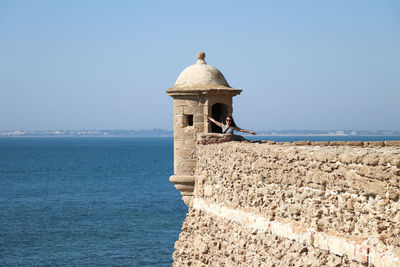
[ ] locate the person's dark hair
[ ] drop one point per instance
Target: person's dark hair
(233, 124)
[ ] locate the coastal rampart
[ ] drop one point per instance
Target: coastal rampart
(293, 204)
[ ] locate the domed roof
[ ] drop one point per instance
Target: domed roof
(201, 76)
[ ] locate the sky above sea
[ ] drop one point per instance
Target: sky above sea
(106, 64)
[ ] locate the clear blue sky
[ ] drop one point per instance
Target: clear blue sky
(106, 64)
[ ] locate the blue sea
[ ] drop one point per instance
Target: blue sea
(88, 201)
(93, 201)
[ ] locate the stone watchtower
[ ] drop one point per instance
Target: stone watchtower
(200, 89)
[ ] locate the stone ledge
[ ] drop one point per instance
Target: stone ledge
(354, 248)
(302, 143)
(182, 179)
(392, 143)
(212, 138)
(206, 139)
(320, 143)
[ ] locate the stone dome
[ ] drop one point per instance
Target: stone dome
(201, 76)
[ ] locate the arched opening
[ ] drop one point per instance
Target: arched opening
(219, 112)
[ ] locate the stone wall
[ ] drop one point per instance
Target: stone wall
(301, 204)
(185, 134)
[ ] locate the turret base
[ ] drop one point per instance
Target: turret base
(185, 185)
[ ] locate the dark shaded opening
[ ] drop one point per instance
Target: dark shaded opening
(190, 120)
(219, 112)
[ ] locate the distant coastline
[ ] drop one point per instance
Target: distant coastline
(87, 133)
(170, 133)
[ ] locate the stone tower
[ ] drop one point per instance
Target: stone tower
(200, 89)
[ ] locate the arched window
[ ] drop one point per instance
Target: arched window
(219, 112)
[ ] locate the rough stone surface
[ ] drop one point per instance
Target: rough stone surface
(341, 192)
(211, 241)
(198, 88)
(212, 138)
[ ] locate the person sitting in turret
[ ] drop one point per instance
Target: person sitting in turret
(228, 128)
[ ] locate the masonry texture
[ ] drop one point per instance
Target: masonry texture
(301, 204)
(200, 90)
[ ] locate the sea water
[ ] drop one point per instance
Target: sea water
(88, 201)
(93, 201)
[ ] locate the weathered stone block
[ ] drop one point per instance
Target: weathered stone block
(320, 143)
(392, 143)
(374, 144)
(198, 127)
(284, 143)
(184, 153)
(337, 143)
(302, 143)
(199, 118)
(182, 135)
(178, 110)
(355, 143)
(190, 109)
(182, 169)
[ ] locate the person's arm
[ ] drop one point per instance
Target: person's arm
(214, 121)
(244, 131)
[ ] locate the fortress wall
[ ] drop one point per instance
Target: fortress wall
(261, 204)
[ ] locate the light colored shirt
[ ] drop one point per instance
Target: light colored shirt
(226, 130)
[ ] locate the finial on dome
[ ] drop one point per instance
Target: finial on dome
(201, 55)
